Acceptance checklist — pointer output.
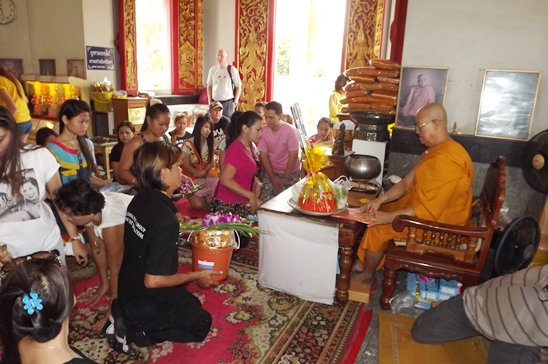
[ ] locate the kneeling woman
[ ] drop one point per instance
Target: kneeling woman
(198, 161)
(234, 193)
(155, 305)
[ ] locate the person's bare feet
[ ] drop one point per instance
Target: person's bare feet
(364, 277)
(99, 293)
(357, 267)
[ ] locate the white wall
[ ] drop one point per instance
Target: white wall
(468, 36)
(56, 32)
(15, 38)
(99, 31)
(219, 31)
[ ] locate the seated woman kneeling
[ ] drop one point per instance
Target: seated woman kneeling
(152, 300)
(198, 161)
(234, 192)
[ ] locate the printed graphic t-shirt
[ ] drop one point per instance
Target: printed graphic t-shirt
(27, 224)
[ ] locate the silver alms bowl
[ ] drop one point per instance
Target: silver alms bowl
(360, 166)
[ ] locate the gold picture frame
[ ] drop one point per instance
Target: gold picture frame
(413, 95)
(507, 103)
(76, 68)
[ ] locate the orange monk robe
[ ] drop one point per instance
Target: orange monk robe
(441, 191)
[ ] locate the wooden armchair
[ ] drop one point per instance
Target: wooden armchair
(448, 251)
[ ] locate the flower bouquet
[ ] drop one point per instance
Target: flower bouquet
(217, 230)
(215, 240)
(188, 188)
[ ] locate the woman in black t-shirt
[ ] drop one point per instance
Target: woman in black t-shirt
(152, 299)
(124, 132)
(36, 298)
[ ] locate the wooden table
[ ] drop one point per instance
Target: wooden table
(348, 233)
(104, 145)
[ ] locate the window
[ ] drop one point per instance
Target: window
(153, 38)
(309, 37)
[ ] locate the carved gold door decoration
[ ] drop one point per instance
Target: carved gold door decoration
(364, 32)
(252, 52)
(190, 44)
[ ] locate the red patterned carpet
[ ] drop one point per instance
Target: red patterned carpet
(251, 323)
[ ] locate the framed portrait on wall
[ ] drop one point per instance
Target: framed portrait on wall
(507, 103)
(419, 87)
(76, 68)
(47, 67)
(15, 66)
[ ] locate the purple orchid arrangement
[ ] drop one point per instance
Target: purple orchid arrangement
(226, 221)
(219, 218)
(188, 188)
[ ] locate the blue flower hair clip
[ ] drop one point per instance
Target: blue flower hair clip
(33, 303)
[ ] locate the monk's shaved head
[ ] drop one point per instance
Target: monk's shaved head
(433, 112)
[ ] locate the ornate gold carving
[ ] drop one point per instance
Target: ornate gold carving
(364, 32)
(131, 56)
(253, 56)
(190, 44)
(378, 29)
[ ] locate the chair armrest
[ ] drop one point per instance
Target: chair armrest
(402, 221)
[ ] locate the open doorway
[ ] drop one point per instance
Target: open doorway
(309, 42)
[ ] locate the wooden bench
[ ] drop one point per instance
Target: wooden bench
(448, 251)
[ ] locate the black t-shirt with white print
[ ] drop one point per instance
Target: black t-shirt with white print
(151, 231)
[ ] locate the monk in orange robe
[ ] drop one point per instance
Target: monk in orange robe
(438, 188)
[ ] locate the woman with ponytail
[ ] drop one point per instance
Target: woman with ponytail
(73, 151)
(13, 98)
(36, 297)
(155, 126)
(234, 192)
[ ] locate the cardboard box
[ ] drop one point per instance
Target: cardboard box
(359, 291)
(450, 288)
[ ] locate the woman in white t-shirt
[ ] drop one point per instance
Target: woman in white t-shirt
(27, 224)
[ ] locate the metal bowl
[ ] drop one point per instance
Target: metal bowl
(360, 166)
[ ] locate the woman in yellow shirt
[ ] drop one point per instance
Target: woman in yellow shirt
(335, 98)
(13, 98)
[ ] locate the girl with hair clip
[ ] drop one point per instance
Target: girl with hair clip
(325, 132)
(13, 98)
(73, 151)
(155, 126)
(198, 161)
(124, 132)
(153, 303)
(36, 297)
(27, 173)
(179, 134)
(234, 192)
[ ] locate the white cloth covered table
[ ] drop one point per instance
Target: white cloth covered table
(300, 256)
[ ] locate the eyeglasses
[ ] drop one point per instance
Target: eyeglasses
(419, 127)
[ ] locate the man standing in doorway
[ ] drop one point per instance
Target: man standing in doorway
(220, 122)
(279, 147)
(224, 84)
